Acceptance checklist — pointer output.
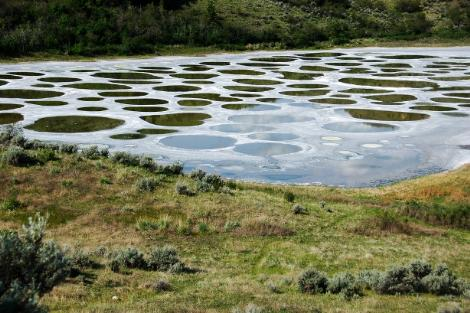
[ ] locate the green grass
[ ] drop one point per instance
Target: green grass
(238, 264)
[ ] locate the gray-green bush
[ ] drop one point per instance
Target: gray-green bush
(17, 156)
(147, 184)
(29, 266)
(163, 259)
(313, 281)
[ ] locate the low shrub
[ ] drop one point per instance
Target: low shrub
(147, 184)
(79, 261)
(231, 225)
(184, 190)
(29, 266)
(313, 281)
(289, 196)
(161, 286)
(148, 163)
(105, 181)
(17, 156)
(397, 280)
(11, 203)
(249, 308)
(346, 284)
(450, 308)
(173, 169)
(442, 281)
(369, 279)
(19, 299)
(163, 259)
(127, 258)
(210, 183)
(94, 153)
(298, 209)
(197, 174)
(145, 224)
(125, 158)
(45, 155)
(68, 148)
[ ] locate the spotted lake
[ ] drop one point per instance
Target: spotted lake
(354, 117)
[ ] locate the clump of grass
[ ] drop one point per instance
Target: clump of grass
(146, 224)
(231, 226)
(105, 181)
(385, 222)
(11, 203)
(440, 213)
(249, 308)
(450, 308)
(185, 227)
(263, 228)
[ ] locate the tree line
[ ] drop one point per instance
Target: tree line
(97, 27)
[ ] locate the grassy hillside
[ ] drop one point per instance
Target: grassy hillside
(94, 27)
(244, 242)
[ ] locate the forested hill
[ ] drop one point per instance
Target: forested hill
(96, 27)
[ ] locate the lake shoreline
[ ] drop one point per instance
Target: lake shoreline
(205, 51)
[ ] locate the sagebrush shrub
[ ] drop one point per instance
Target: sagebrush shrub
(210, 183)
(148, 163)
(289, 196)
(162, 285)
(173, 169)
(298, 209)
(68, 148)
(128, 258)
(79, 261)
(94, 153)
(346, 284)
(397, 280)
(29, 267)
(18, 298)
(184, 190)
(369, 279)
(17, 156)
(231, 225)
(197, 174)
(148, 184)
(442, 281)
(125, 158)
(162, 258)
(313, 281)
